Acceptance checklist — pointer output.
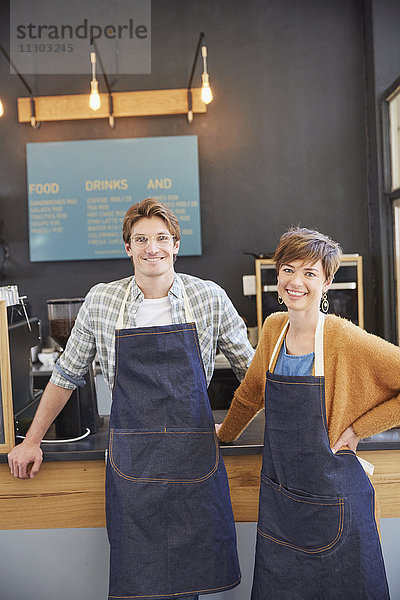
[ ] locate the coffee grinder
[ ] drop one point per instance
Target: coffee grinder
(81, 412)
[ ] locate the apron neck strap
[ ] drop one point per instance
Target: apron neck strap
(278, 345)
(188, 312)
(318, 346)
(120, 320)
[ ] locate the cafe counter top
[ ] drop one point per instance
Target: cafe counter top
(93, 446)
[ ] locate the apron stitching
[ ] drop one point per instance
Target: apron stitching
(155, 332)
(180, 593)
(323, 416)
(154, 480)
(374, 520)
(160, 432)
(198, 352)
(291, 383)
(306, 501)
(317, 550)
(116, 365)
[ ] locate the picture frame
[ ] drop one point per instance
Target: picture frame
(7, 437)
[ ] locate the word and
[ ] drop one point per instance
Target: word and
(164, 184)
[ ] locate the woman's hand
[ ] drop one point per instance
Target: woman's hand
(348, 438)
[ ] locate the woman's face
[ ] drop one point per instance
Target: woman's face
(302, 284)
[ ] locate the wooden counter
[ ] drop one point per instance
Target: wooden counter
(71, 493)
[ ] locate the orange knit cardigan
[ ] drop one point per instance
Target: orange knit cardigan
(362, 380)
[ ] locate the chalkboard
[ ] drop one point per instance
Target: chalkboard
(7, 438)
(79, 192)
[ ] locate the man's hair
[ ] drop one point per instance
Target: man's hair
(299, 243)
(150, 208)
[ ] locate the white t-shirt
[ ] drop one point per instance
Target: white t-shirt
(154, 311)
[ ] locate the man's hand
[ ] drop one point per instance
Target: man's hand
(23, 455)
(29, 452)
(348, 438)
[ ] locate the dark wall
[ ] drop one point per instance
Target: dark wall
(283, 142)
(383, 60)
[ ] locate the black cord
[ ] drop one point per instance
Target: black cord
(5, 250)
(6, 254)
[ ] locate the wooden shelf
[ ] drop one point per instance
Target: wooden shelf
(126, 104)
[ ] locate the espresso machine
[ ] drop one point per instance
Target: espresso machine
(81, 412)
(24, 335)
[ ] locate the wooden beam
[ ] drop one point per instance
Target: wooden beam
(126, 104)
(7, 434)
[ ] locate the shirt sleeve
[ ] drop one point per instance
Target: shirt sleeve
(232, 339)
(364, 380)
(378, 362)
(79, 352)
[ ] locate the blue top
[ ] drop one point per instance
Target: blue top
(291, 365)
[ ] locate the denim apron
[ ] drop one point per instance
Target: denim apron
(316, 537)
(169, 515)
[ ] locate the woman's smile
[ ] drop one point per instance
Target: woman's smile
(295, 293)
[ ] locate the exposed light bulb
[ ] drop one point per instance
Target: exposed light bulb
(1, 108)
(206, 93)
(94, 100)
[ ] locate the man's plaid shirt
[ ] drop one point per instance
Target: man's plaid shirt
(218, 326)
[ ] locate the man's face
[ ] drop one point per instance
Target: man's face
(154, 260)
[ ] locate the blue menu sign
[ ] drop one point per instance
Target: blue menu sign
(79, 192)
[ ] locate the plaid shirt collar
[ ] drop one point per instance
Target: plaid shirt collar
(176, 289)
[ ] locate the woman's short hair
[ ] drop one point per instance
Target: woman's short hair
(150, 208)
(299, 243)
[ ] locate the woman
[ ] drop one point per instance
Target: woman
(326, 384)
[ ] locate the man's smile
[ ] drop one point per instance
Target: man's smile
(153, 258)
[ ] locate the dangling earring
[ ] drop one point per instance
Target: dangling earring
(324, 303)
(280, 299)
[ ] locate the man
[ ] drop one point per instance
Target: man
(169, 517)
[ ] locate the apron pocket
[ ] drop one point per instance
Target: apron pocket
(165, 456)
(309, 524)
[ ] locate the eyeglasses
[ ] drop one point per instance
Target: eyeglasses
(163, 240)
